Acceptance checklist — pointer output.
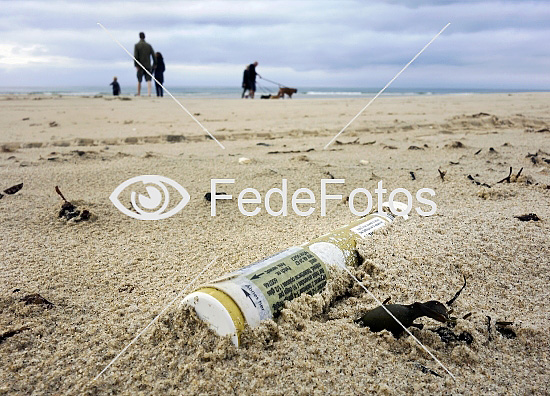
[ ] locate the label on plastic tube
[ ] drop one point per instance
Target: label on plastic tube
(282, 277)
(368, 227)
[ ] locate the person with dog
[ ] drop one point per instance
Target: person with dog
(246, 82)
(158, 72)
(252, 78)
(143, 53)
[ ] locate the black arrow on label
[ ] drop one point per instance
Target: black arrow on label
(256, 276)
(247, 294)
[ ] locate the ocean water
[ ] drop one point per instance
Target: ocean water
(262, 89)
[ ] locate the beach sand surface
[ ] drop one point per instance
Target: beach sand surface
(106, 278)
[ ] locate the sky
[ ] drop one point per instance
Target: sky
(489, 44)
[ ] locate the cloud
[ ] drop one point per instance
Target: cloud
(12, 56)
(336, 42)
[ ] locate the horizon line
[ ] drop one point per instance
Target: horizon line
(306, 86)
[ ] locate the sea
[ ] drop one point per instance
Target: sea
(235, 92)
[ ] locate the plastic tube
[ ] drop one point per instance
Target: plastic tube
(258, 291)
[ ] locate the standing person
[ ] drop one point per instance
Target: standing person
(252, 78)
(116, 87)
(143, 52)
(246, 82)
(159, 74)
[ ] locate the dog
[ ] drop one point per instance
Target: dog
(265, 97)
(287, 91)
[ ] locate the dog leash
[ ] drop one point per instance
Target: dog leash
(264, 88)
(274, 82)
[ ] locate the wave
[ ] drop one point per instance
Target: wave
(360, 93)
(350, 93)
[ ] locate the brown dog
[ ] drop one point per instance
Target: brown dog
(287, 91)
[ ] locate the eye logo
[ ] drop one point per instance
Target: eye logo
(145, 206)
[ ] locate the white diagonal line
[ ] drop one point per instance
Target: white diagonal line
(386, 86)
(168, 92)
(394, 318)
(155, 319)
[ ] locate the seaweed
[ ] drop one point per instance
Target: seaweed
(13, 189)
(291, 151)
(36, 299)
(356, 141)
(471, 178)
(208, 196)
(481, 114)
(69, 211)
(378, 319)
(427, 370)
(528, 217)
(448, 336)
(507, 178)
(502, 328)
(452, 300)
(10, 333)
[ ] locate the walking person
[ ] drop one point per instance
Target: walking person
(159, 74)
(246, 82)
(252, 78)
(143, 52)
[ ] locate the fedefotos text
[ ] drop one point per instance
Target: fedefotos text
(303, 201)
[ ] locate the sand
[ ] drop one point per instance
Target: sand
(107, 278)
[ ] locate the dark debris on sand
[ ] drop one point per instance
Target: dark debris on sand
(504, 330)
(528, 217)
(378, 319)
(36, 299)
(70, 211)
(12, 190)
(447, 335)
(471, 178)
(540, 157)
(10, 333)
(455, 144)
(427, 370)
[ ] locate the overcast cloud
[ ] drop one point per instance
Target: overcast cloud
(490, 44)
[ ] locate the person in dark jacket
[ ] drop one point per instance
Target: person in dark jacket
(143, 53)
(252, 78)
(246, 82)
(159, 73)
(116, 87)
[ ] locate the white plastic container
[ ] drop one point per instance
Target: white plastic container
(258, 291)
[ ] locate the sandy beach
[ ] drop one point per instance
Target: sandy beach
(104, 279)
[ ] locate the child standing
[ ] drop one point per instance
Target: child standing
(159, 73)
(116, 87)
